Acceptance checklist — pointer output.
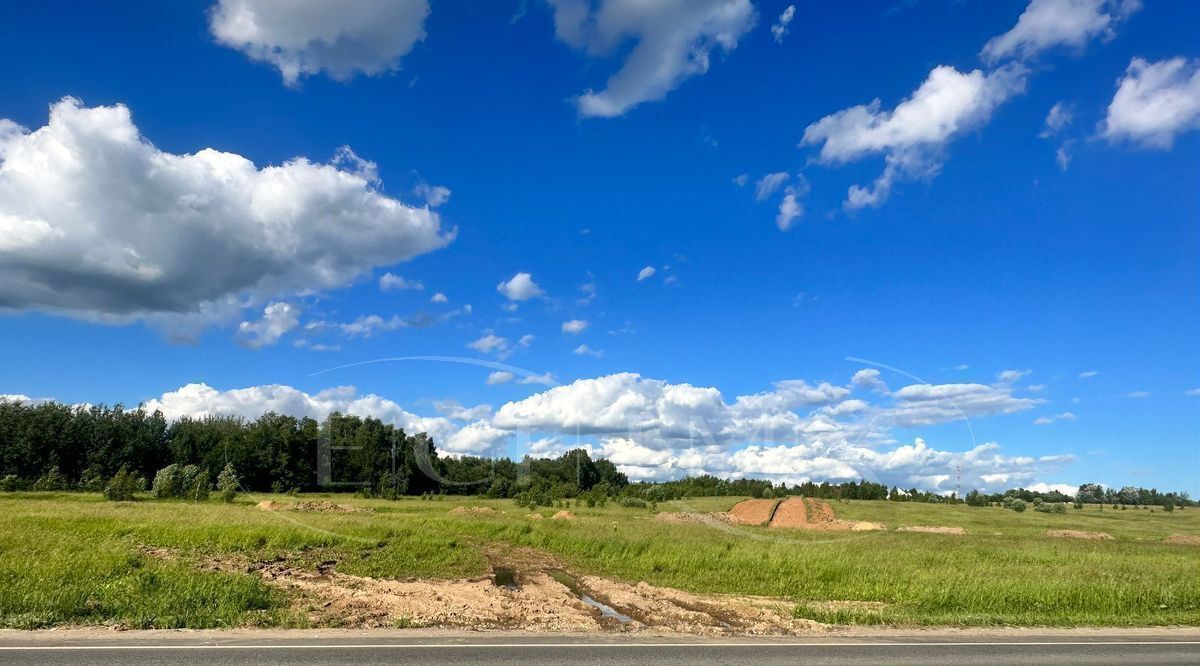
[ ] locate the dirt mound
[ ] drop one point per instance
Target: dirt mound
(325, 506)
(753, 511)
(791, 512)
(472, 509)
(866, 526)
(932, 529)
(1183, 539)
(271, 505)
(685, 517)
(819, 512)
(1076, 534)
(563, 515)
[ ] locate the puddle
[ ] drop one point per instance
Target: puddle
(571, 584)
(506, 578)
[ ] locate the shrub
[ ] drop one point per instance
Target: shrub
(1017, 505)
(227, 483)
(92, 480)
(187, 479)
(632, 502)
(10, 483)
(121, 487)
(51, 480)
(200, 488)
(168, 483)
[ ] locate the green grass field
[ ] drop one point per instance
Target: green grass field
(73, 559)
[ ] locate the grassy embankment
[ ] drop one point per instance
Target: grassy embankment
(74, 559)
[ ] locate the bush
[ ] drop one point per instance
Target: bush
(1016, 504)
(632, 502)
(121, 487)
(10, 483)
(227, 483)
(168, 483)
(92, 480)
(51, 480)
(200, 489)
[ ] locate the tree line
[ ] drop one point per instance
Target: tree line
(53, 446)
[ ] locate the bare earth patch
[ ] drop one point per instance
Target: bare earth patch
(472, 509)
(323, 506)
(1183, 539)
(791, 512)
(932, 529)
(752, 511)
(563, 515)
(1076, 534)
(531, 597)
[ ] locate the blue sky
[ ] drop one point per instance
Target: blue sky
(1006, 238)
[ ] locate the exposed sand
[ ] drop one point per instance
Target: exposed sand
(536, 602)
(932, 529)
(563, 515)
(752, 511)
(791, 512)
(1076, 534)
(323, 506)
(1183, 539)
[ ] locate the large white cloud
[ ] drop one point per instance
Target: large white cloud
(675, 40)
(302, 37)
(1049, 23)
(98, 223)
(653, 429)
(913, 136)
(200, 400)
(1155, 102)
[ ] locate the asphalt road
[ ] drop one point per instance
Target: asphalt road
(526, 651)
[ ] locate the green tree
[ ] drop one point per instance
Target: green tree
(227, 483)
(121, 487)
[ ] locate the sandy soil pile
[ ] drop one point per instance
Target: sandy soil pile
(685, 517)
(1076, 534)
(563, 515)
(1183, 540)
(932, 529)
(819, 512)
(472, 509)
(791, 512)
(325, 506)
(866, 526)
(538, 601)
(752, 511)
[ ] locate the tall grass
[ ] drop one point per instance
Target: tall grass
(70, 558)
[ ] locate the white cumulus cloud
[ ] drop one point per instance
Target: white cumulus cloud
(780, 27)
(1049, 23)
(392, 282)
(574, 326)
(1154, 103)
(913, 136)
(98, 223)
(673, 41)
(520, 287)
(277, 320)
(305, 37)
